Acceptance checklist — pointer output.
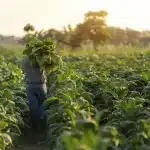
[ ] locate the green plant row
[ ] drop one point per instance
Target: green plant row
(100, 103)
(13, 105)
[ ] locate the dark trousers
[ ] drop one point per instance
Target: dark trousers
(36, 95)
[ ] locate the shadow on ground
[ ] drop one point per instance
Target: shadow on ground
(32, 141)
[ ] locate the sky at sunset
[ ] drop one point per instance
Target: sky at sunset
(44, 14)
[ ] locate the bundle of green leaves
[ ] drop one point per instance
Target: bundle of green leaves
(43, 54)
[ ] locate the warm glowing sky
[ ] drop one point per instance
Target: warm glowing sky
(14, 14)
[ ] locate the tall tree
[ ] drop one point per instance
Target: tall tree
(93, 28)
(28, 28)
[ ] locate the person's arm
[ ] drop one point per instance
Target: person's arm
(44, 77)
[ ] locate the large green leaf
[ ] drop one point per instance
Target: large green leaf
(3, 125)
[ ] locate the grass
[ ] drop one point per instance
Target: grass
(11, 50)
(105, 50)
(16, 50)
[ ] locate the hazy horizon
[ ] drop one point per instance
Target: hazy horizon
(45, 14)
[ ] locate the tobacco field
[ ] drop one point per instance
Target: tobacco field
(97, 102)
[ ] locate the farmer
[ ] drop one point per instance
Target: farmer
(36, 93)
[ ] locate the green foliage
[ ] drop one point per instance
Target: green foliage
(13, 105)
(112, 86)
(42, 52)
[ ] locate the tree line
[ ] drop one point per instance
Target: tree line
(93, 29)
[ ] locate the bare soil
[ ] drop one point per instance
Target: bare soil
(31, 141)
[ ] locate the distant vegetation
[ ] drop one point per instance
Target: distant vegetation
(10, 46)
(93, 30)
(9, 40)
(92, 33)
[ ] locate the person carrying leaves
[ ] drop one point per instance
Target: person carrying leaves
(41, 59)
(36, 92)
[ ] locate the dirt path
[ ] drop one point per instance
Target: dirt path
(31, 141)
